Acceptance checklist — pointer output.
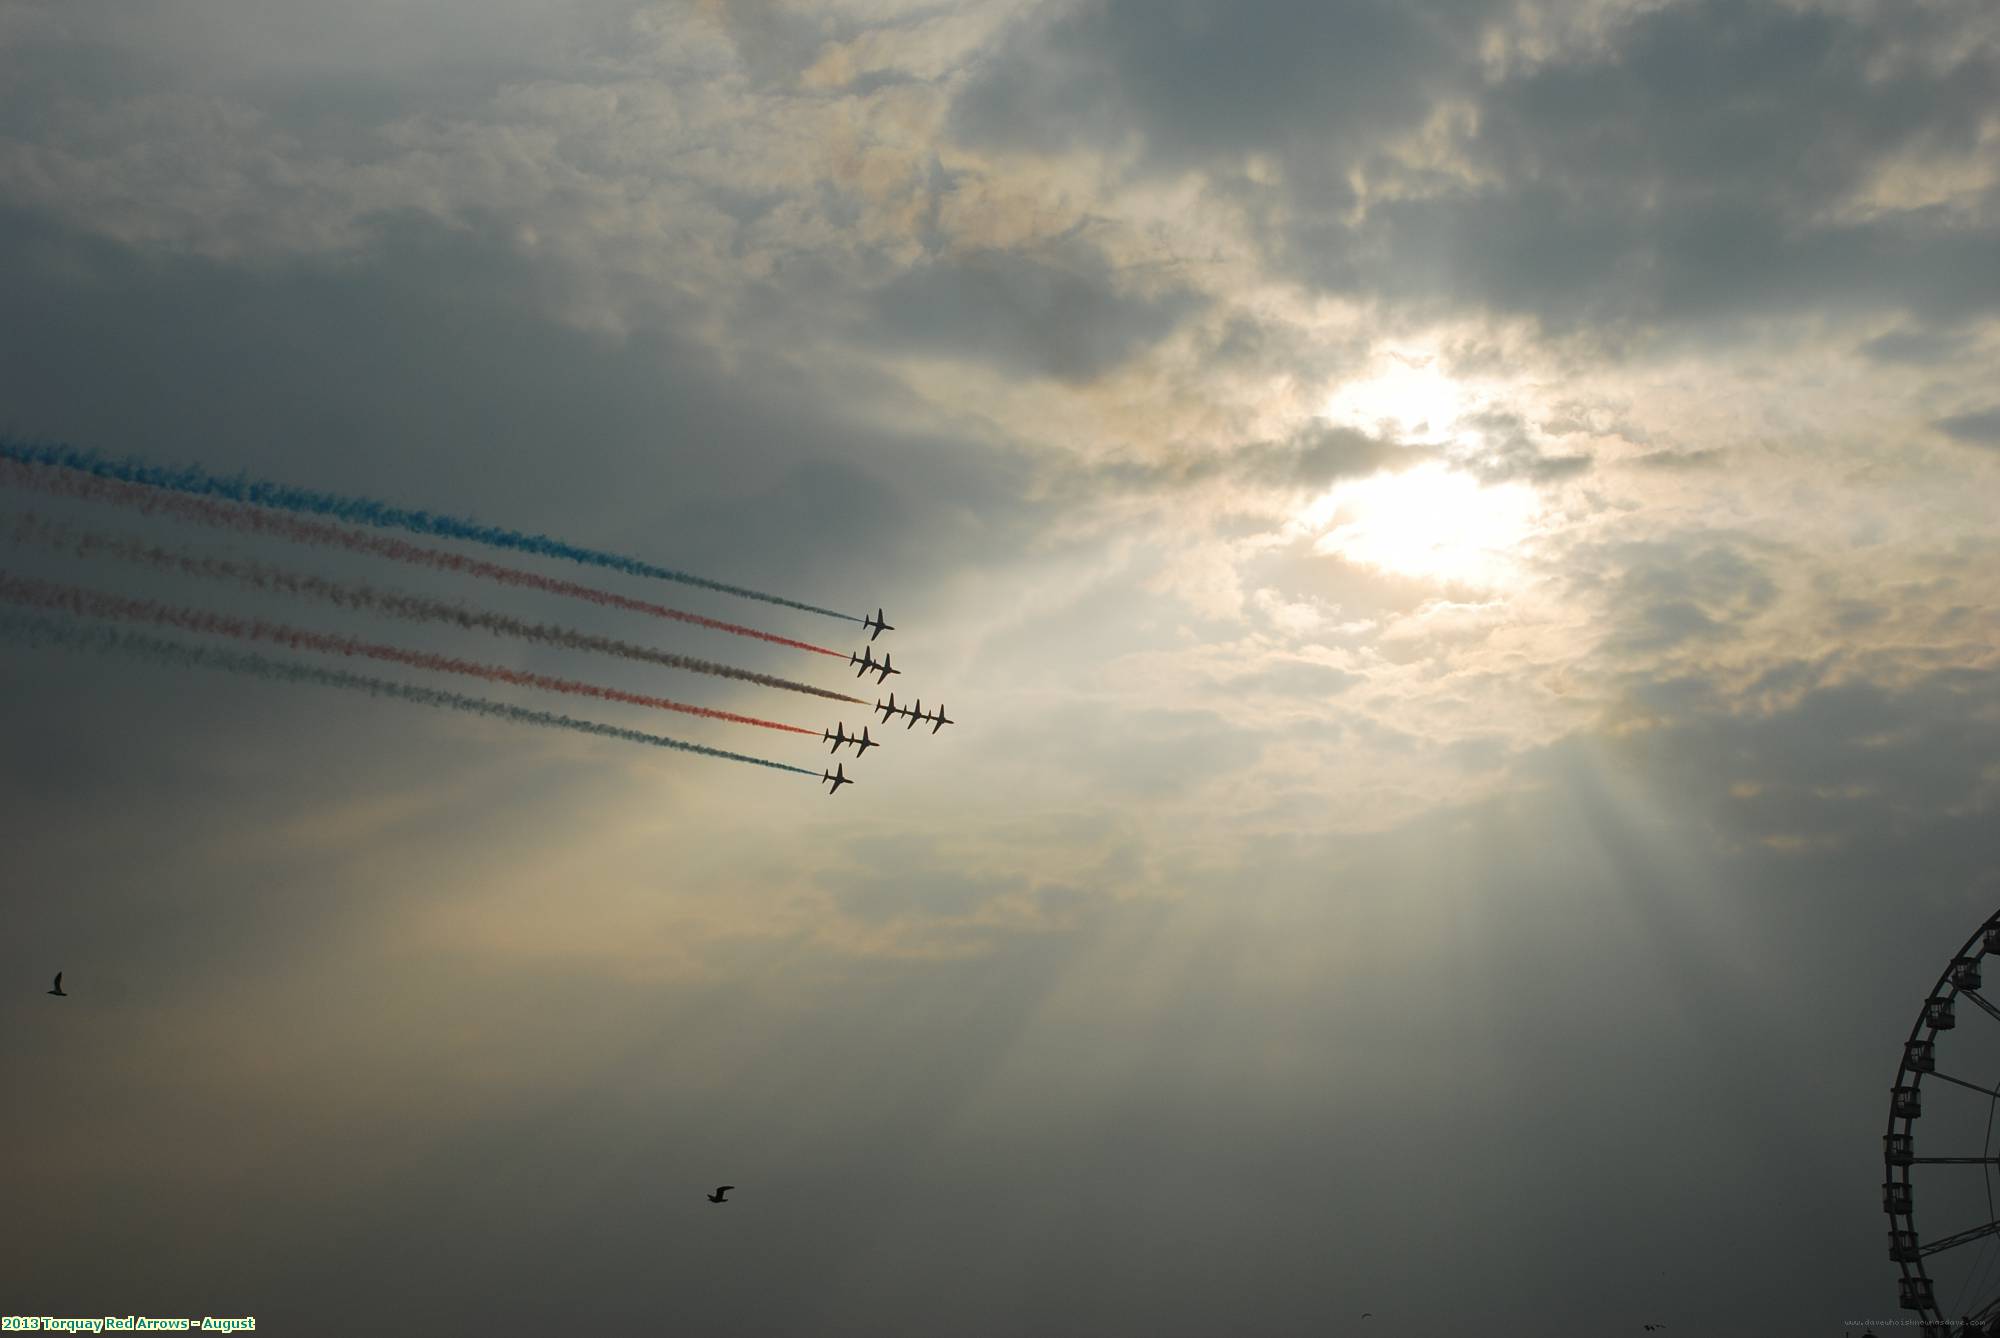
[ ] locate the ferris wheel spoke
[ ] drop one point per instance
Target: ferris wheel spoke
(1962, 1238)
(1989, 1009)
(1946, 1077)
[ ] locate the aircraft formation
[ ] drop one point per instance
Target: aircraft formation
(870, 665)
(936, 720)
(291, 523)
(912, 715)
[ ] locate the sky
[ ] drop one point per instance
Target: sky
(1460, 537)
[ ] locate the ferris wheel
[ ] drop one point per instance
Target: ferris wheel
(1951, 1268)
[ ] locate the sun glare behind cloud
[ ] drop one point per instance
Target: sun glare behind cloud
(1409, 399)
(1430, 522)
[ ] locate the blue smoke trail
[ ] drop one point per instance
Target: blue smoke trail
(195, 480)
(38, 630)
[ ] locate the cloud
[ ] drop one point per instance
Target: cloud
(1507, 453)
(1310, 458)
(1294, 678)
(1916, 348)
(1030, 340)
(1670, 165)
(1207, 84)
(1831, 762)
(1662, 594)
(436, 336)
(1679, 461)
(1059, 312)
(1696, 167)
(1979, 428)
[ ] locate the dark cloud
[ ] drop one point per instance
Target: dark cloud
(1687, 171)
(1060, 312)
(1918, 348)
(1680, 461)
(1660, 594)
(427, 359)
(1506, 453)
(1319, 454)
(1686, 174)
(1832, 761)
(774, 41)
(1980, 428)
(1198, 82)
(1315, 456)
(318, 73)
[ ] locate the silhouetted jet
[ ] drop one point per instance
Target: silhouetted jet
(876, 626)
(916, 714)
(839, 778)
(841, 738)
(890, 709)
(58, 990)
(720, 1190)
(869, 664)
(940, 720)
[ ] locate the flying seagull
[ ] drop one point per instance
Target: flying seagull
(58, 990)
(720, 1190)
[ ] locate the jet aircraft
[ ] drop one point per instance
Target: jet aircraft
(940, 720)
(869, 664)
(890, 709)
(876, 626)
(839, 778)
(841, 738)
(915, 714)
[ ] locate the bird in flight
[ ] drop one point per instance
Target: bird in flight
(720, 1190)
(58, 990)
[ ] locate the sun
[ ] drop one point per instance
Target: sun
(1408, 400)
(1430, 522)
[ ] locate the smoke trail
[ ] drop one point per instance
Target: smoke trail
(198, 482)
(96, 604)
(38, 630)
(247, 520)
(30, 528)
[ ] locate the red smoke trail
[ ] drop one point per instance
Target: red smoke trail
(96, 604)
(38, 630)
(249, 520)
(27, 527)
